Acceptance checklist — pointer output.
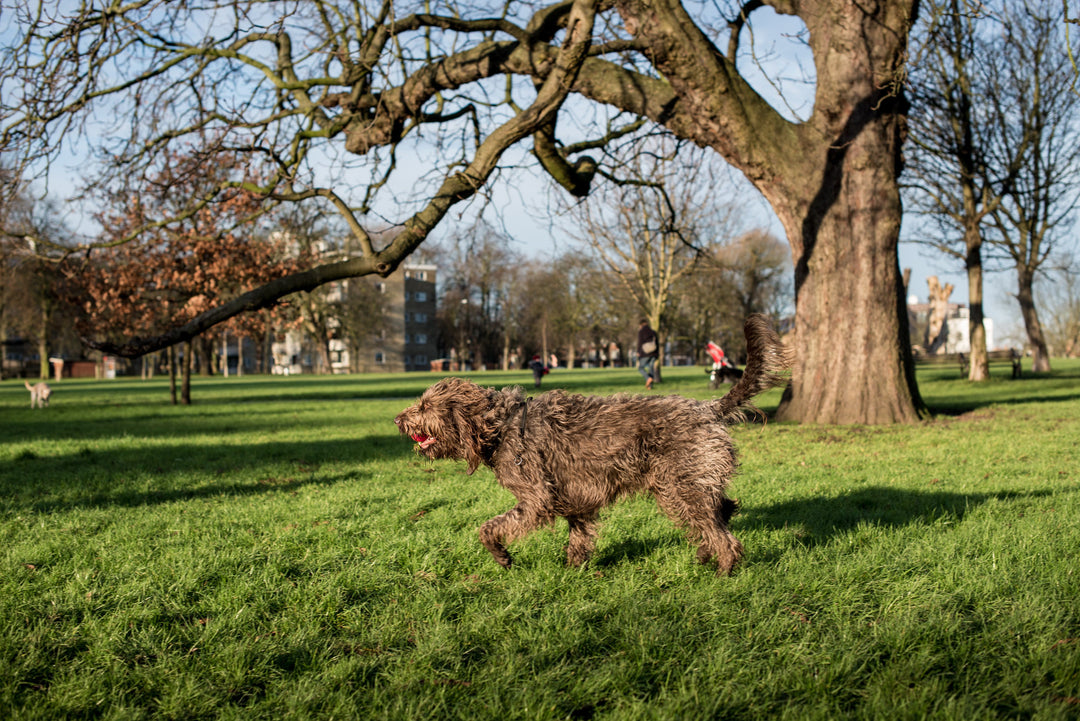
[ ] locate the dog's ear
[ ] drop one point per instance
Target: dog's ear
(472, 435)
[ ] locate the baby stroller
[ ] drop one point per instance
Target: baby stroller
(723, 370)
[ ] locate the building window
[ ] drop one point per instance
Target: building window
(420, 338)
(406, 337)
(420, 296)
(419, 317)
(420, 361)
(379, 357)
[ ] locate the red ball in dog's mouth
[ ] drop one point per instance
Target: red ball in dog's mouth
(423, 440)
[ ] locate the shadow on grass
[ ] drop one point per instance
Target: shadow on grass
(219, 418)
(631, 549)
(91, 478)
(947, 396)
(821, 518)
(956, 405)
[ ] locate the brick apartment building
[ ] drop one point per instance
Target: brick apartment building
(409, 342)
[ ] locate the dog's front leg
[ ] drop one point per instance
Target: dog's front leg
(513, 524)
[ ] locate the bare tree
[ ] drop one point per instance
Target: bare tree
(748, 274)
(297, 83)
(996, 147)
(649, 229)
(1063, 303)
(1036, 113)
(477, 277)
(1068, 39)
(953, 181)
(753, 267)
(30, 279)
(556, 309)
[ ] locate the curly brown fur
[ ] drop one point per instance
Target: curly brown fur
(571, 455)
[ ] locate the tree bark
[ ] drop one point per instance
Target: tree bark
(1036, 339)
(172, 374)
(185, 381)
(938, 331)
(43, 337)
(854, 356)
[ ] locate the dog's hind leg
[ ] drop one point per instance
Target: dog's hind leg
(505, 528)
(582, 539)
(720, 543)
(705, 513)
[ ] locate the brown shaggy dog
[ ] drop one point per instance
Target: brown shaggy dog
(571, 455)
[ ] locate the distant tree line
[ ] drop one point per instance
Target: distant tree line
(497, 305)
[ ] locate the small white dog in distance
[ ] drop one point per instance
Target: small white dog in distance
(39, 394)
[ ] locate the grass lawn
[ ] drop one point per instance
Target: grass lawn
(277, 551)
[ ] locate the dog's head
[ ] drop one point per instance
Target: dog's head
(456, 418)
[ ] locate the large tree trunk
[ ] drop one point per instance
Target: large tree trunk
(832, 180)
(852, 342)
(1026, 297)
(853, 356)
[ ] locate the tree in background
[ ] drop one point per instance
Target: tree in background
(748, 274)
(550, 312)
(648, 229)
(477, 275)
(295, 83)
(952, 181)
(31, 293)
(1063, 303)
(995, 146)
(176, 272)
(361, 316)
(1036, 116)
(752, 267)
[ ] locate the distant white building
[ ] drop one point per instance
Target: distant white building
(957, 330)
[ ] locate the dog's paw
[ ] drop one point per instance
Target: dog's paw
(575, 558)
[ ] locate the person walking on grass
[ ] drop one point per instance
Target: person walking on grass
(648, 348)
(538, 369)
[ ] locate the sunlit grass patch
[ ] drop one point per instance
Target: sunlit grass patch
(277, 550)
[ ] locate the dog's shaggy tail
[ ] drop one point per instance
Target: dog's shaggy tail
(767, 363)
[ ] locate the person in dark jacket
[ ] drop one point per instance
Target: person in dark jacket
(648, 349)
(538, 369)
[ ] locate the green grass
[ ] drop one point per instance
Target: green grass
(277, 551)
